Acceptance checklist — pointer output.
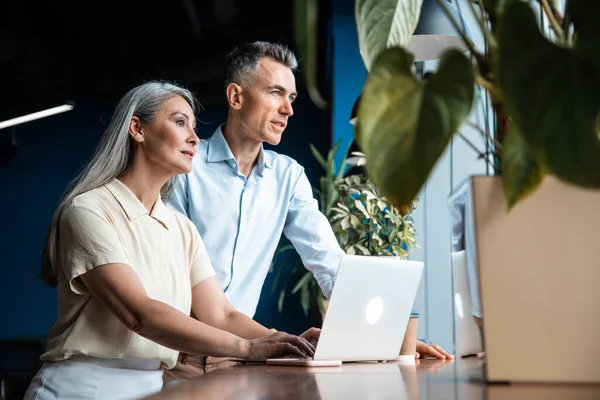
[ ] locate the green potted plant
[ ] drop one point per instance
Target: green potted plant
(366, 223)
(544, 89)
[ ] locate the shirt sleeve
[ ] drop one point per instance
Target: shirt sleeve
(86, 240)
(201, 267)
(178, 198)
(312, 236)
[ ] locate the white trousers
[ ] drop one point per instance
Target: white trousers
(83, 378)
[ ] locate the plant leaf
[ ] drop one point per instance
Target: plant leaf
(522, 173)
(375, 236)
(363, 249)
(302, 282)
(552, 92)
(280, 301)
(369, 195)
(342, 169)
(359, 205)
(404, 125)
(306, 40)
(345, 223)
(318, 156)
(382, 24)
(330, 168)
(343, 207)
(280, 268)
(305, 299)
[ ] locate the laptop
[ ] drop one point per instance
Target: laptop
(368, 312)
(467, 337)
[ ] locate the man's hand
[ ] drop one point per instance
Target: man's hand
(433, 350)
(312, 336)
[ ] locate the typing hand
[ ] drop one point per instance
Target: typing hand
(279, 345)
(312, 336)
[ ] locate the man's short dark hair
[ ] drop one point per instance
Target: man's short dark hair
(242, 60)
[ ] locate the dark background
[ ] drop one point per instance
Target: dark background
(91, 53)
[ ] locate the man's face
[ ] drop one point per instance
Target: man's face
(267, 102)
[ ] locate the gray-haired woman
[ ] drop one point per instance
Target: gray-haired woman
(129, 271)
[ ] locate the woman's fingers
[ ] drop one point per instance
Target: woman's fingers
(292, 345)
(304, 345)
(288, 349)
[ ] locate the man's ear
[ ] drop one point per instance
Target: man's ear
(135, 129)
(234, 94)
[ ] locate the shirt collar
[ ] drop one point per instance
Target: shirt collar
(133, 207)
(218, 150)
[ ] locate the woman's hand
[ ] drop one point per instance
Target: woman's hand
(279, 345)
(312, 336)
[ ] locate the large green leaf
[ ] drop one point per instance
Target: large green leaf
(552, 92)
(384, 23)
(404, 125)
(522, 173)
(306, 40)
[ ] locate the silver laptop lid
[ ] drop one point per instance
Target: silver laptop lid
(369, 308)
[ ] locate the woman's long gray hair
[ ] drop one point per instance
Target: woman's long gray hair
(112, 155)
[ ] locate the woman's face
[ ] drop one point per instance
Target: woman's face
(169, 142)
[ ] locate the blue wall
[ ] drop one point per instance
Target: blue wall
(348, 73)
(51, 151)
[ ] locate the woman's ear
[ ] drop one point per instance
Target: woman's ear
(234, 95)
(135, 129)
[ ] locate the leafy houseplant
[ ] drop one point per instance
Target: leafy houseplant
(363, 222)
(543, 87)
(366, 223)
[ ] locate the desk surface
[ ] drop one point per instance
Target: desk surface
(428, 379)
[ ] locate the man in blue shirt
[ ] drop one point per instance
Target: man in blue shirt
(242, 197)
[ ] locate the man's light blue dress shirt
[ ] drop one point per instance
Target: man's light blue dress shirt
(241, 220)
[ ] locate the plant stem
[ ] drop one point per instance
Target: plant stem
(463, 35)
(489, 86)
(560, 34)
(491, 11)
(472, 146)
(566, 21)
(481, 21)
(485, 134)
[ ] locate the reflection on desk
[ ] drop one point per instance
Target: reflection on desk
(428, 379)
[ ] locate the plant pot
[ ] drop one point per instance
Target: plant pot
(409, 343)
(537, 279)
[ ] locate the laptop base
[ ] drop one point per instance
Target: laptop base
(303, 362)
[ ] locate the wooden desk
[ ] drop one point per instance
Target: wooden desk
(429, 379)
